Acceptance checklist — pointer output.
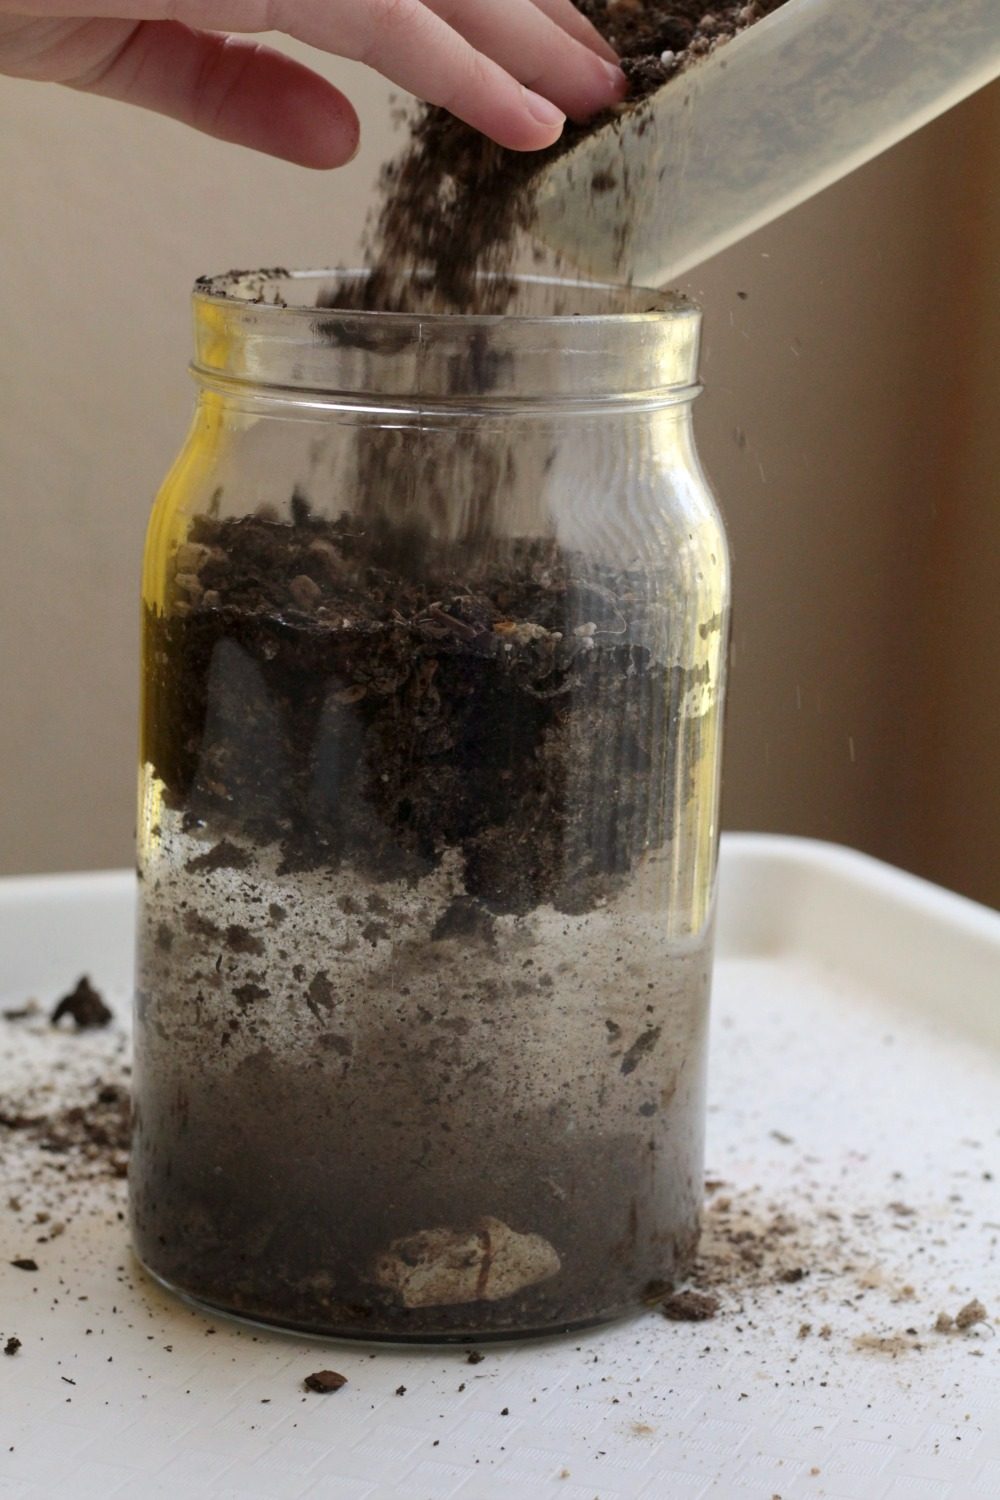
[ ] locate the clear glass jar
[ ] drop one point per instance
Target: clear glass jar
(435, 618)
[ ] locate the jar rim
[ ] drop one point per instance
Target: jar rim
(269, 288)
(303, 342)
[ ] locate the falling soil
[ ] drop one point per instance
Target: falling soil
(454, 204)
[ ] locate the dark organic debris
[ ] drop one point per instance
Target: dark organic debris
(484, 740)
(225, 855)
(84, 1005)
(643, 1043)
(88, 1139)
(967, 1317)
(689, 1307)
(325, 1380)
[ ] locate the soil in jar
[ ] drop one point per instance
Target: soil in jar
(412, 1058)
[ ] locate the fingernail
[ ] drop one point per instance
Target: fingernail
(616, 79)
(542, 110)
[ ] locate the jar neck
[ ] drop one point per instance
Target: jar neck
(282, 336)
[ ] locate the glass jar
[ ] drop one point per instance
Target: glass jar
(435, 618)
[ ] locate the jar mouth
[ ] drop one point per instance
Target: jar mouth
(282, 332)
(532, 298)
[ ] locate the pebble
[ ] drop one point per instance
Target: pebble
(192, 557)
(445, 1267)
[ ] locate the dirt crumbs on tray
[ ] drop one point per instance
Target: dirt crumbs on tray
(64, 1111)
(891, 1344)
(967, 1317)
(324, 1381)
(84, 1006)
(803, 1261)
(455, 204)
(689, 1307)
(815, 1255)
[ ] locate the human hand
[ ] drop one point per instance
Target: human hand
(511, 68)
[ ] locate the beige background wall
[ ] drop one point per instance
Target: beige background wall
(848, 426)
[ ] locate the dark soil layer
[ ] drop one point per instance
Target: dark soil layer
(247, 1221)
(454, 203)
(314, 690)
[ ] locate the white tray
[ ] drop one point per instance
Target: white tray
(855, 1064)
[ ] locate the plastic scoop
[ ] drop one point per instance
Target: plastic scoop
(800, 99)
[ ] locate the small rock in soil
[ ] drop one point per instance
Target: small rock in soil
(446, 1267)
(12, 1345)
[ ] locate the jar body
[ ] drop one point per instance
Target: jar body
(431, 732)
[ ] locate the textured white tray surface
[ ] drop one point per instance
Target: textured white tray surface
(856, 1014)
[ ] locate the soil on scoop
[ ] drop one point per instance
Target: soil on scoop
(455, 204)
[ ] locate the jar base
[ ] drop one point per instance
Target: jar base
(397, 1340)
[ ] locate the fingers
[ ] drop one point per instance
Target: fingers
(403, 39)
(235, 90)
(409, 44)
(537, 51)
(566, 15)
